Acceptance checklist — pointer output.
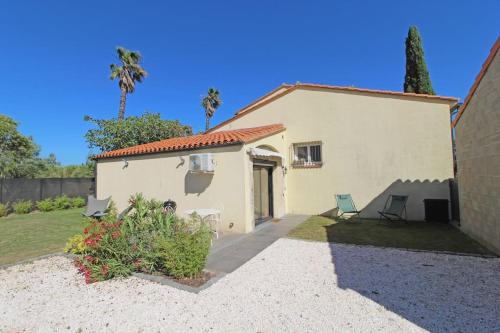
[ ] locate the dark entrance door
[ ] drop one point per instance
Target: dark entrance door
(262, 193)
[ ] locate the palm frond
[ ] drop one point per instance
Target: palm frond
(130, 71)
(135, 56)
(115, 71)
(122, 52)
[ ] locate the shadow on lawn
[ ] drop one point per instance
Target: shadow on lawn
(407, 283)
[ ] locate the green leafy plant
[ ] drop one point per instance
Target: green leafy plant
(146, 240)
(111, 134)
(145, 223)
(18, 153)
(77, 202)
(22, 206)
(107, 252)
(45, 205)
(185, 253)
(62, 202)
(3, 210)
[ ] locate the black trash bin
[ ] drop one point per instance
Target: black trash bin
(436, 210)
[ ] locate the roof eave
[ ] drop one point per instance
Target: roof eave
(434, 98)
(451, 101)
(166, 151)
(265, 136)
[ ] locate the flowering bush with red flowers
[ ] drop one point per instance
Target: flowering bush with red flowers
(107, 253)
(147, 239)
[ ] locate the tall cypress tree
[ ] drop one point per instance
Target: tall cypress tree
(417, 79)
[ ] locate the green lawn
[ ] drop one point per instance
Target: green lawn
(410, 235)
(35, 234)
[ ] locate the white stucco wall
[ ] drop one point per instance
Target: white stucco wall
(372, 145)
(165, 176)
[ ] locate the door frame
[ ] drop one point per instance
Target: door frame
(270, 166)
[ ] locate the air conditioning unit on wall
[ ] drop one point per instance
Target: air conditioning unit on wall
(202, 163)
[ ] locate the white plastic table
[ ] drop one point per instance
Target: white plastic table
(207, 214)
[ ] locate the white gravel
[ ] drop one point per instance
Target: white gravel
(293, 285)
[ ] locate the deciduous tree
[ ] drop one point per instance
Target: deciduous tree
(114, 134)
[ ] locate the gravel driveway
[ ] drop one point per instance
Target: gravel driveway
(293, 285)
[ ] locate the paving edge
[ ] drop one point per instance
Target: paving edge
(153, 278)
(171, 283)
(477, 255)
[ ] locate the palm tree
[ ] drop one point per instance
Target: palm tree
(210, 103)
(128, 73)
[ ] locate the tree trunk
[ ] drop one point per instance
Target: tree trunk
(207, 123)
(123, 100)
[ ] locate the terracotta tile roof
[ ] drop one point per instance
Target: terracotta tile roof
(479, 77)
(288, 88)
(239, 136)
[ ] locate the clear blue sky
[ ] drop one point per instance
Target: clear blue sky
(56, 54)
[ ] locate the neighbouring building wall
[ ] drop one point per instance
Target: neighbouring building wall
(478, 161)
(372, 146)
(165, 176)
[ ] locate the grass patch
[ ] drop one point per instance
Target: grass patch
(31, 235)
(410, 235)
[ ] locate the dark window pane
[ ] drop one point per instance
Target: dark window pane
(316, 153)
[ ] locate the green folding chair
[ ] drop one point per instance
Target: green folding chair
(346, 205)
(394, 208)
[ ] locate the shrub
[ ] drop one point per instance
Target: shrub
(112, 212)
(45, 205)
(185, 253)
(95, 269)
(77, 202)
(148, 217)
(62, 202)
(107, 252)
(22, 206)
(75, 245)
(3, 210)
(146, 240)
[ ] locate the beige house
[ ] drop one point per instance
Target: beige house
(291, 151)
(477, 128)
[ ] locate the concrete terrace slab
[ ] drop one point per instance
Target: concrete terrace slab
(231, 251)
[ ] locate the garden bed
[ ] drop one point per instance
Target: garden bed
(204, 277)
(147, 239)
(195, 285)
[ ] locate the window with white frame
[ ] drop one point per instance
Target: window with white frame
(307, 154)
